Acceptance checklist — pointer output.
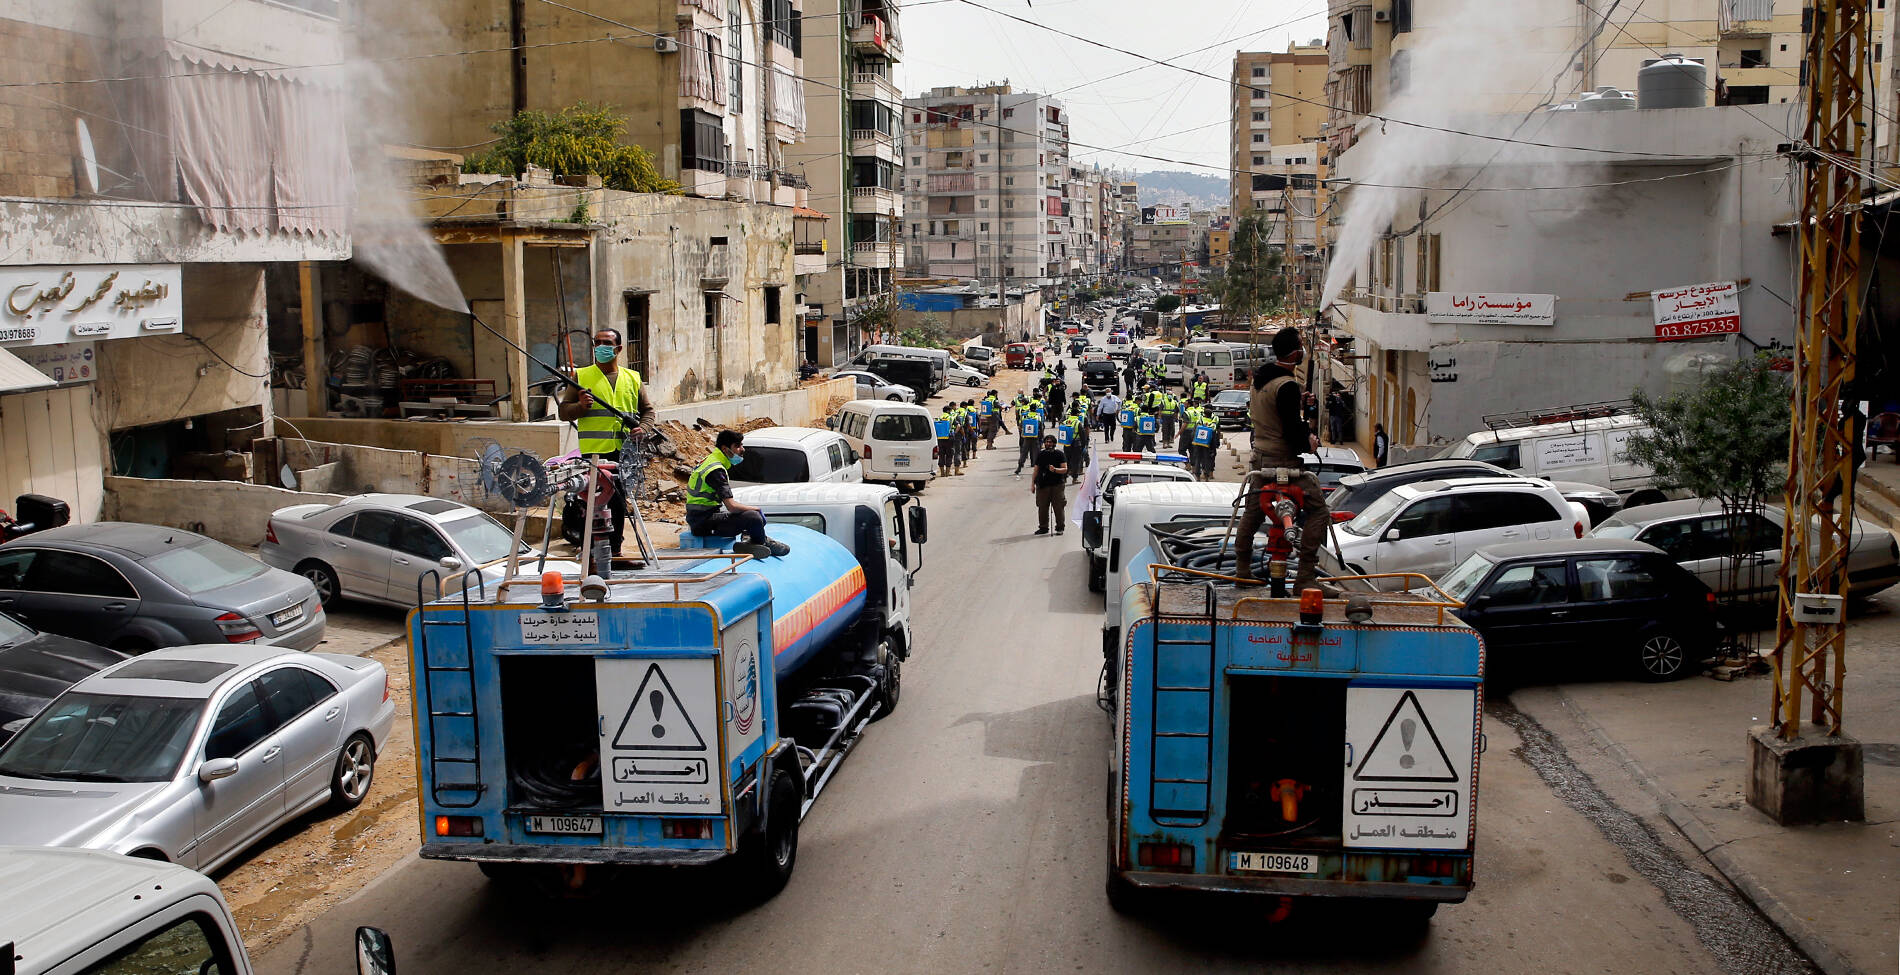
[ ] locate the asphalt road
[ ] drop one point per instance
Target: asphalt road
(966, 834)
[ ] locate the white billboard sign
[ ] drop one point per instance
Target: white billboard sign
(1476, 308)
(52, 305)
(1697, 310)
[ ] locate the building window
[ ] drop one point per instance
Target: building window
(712, 308)
(916, 160)
(1260, 116)
(1260, 160)
(636, 334)
(1009, 181)
(772, 305)
(982, 157)
(736, 35)
(1259, 137)
(1260, 72)
(702, 141)
(1259, 93)
(983, 228)
(984, 203)
(1401, 16)
(1009, 113)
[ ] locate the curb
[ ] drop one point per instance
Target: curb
(1713, 850)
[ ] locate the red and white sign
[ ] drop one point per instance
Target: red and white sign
(1697, 310)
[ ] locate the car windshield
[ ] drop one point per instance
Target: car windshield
(203, 567)
(11, 631)
(1460, 581)
(1616, 527)
(1231, 397)
(103, 738)
(481, 537)
(901, 426)
(1367, 522)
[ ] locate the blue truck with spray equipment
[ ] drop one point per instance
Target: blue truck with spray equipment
(1323, 746)
(685, 710)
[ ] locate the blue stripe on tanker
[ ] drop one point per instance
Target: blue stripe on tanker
(817, 592)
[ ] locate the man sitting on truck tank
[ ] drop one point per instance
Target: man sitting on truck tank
(711, 509)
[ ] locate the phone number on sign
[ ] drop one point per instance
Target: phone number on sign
(1685, 330)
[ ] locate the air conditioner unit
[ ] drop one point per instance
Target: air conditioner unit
(666, 45)
(1381, 16)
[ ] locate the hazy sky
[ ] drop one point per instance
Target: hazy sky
(1160, 111)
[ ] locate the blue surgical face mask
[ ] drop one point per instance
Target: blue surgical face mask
(604, 354)
(736, 457)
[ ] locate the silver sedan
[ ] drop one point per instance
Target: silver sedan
(192, 754)
(379, 547)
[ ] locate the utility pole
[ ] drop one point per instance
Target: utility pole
(1802, 768)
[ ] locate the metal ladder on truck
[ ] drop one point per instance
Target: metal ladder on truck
(1181, 715)
(451, 720)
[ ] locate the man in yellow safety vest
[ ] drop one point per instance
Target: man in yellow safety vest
(606, 384)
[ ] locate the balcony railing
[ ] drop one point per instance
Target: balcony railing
(808, 247)
(873, 85)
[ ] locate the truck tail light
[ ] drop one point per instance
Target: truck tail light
(270, 533)
(238, 629)
(1165, 855)
(458, 826)
(686, 829)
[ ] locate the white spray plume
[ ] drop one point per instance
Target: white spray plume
(1474, 66)
(387, 234)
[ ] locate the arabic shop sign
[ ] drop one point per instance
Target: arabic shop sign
(1697, 310)
(1463, 308)
(85, 302)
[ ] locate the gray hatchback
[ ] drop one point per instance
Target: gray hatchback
(140, 587)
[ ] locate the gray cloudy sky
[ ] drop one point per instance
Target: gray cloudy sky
(1156, 110)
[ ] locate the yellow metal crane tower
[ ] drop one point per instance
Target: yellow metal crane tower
(1803, 768)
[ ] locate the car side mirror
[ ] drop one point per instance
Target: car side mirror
(450, 563)
(213, 769)
(919, 525)
(1092, 528)
(375, 953)
(1392, 535)
(1478, 602)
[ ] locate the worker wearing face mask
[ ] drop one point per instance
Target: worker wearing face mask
(711, 510)
(602, 385)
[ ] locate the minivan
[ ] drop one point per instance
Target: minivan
(940, 357)
(896, 441)
(797, 455)
(1118, 345)
(1573, 450)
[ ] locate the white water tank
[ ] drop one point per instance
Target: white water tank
(1672, 81)
(1606, 99)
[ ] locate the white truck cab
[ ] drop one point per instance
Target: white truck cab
(81, 912)
(882, 526)
(1136, 507)
(1098, 511)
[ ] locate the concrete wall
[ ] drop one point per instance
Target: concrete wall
(1019, 321)
(232, 512)
(547, 438)
(160, 378)
(804, 407)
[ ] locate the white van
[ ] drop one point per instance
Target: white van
(1136, 507)
(797, 455)
(1118, 345)
(1172, 367)
(1098, 516)
(72, 910)
(896, 442)
(1590, 451)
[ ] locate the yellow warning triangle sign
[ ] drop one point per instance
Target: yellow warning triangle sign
(656, 721)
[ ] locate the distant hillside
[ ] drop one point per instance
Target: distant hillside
(1175, 187)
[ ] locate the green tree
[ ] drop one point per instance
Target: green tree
(930, 332)
(580, 140)
(1251, 283)
(1167, 303)
(1725, 439)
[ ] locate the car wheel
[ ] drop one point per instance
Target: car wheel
(354, 773)
(324, 578)
(1661, 656)
(894, 398)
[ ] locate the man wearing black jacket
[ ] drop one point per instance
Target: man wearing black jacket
(1280, 435)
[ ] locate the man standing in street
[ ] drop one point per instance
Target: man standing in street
(1381, 445)
(711, 509)
(1051, 475)
(1105, 410)
(604, 384)
(992, 408)
(1028, 433)
(1280, 435)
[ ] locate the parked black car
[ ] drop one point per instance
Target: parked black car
(1586, 600)
(35, 667)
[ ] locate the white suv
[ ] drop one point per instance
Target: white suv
(1430, 526)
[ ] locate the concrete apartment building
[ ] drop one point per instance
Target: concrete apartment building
(986, 172)
(853, 159)
(1275, 99)
(153, 228)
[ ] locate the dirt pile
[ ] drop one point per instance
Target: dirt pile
(676, 449)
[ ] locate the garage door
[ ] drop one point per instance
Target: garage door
(50, 444)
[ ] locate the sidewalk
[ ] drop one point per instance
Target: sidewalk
(1830, 888)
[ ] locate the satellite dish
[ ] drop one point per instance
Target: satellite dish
(88, 159)
(287, 477)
